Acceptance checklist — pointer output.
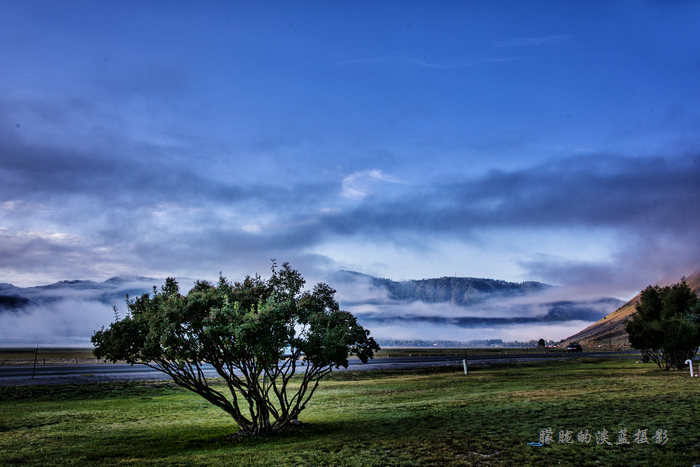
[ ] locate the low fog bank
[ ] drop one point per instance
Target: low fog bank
(552, 313)
(66, 323)
(432, 331)
(66, 314)
(113, 291)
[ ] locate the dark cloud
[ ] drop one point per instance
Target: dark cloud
(654, 194)
(132, 204)
(649, 204)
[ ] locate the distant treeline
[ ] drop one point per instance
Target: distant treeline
(465, 344)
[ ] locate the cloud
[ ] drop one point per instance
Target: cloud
(359, 184)
(534, 41)
(645, 205)
(549, 313)
(67, 313)
(446, 331)
(399, 61)
(640, 196)
(418, 63)
(68, 322)
(104, 209)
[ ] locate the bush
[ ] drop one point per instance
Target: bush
(665, 328)
(253, 333)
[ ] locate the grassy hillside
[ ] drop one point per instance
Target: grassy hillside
(610, 330)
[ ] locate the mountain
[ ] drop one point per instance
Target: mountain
(462, 301)
(609, 331)
(457, 290)
(446, 308)
(111, 292)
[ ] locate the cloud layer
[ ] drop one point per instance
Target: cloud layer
(83, 216)
(534, 142)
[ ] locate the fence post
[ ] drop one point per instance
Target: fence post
(466, 369)
(36, 354)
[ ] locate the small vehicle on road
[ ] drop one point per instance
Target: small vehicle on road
(574, 347)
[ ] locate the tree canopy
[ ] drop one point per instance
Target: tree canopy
(253, 333)
(666, 327)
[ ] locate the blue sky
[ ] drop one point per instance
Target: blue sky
(540, 140)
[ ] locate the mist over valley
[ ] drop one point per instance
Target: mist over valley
(66, 313)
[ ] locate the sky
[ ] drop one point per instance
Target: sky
(541, 140)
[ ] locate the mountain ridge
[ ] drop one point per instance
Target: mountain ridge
(110, 291)
(475, 302)
(457, 290)
(610, 331)
(462, 302)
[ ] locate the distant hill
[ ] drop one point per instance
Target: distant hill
(445, 308)
(461, 291)
(477, 302)
(111, 292)
(464, 302)
(610, 330)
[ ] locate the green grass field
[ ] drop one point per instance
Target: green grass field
(415, 417)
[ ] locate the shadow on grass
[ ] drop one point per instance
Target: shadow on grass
(94, 391)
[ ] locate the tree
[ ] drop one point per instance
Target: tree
(253, 333)
(666, 327)
(540, 343)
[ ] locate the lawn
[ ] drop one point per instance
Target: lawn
(415, 417)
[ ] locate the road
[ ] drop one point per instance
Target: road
(58, 374)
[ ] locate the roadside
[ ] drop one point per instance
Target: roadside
(85, 374)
